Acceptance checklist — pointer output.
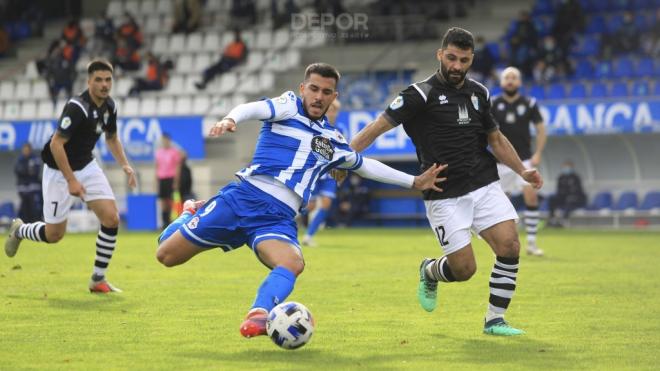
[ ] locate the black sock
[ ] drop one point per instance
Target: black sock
(32, 231)
(440, 271)
(105, 247)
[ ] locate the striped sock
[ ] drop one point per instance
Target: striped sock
(440, 271)
(105, 246)
(531, 215)
(502, 285)
(32, 231)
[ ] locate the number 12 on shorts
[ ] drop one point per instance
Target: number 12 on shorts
(440, 231)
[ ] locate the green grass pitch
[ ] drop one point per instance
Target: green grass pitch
(592, 303)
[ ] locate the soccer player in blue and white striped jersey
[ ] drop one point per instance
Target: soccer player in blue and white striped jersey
(295, 148)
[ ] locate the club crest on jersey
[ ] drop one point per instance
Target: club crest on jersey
(192, 224)
(396, 103)
(475, 102)
(443, 99)
(463, 115)
(322, 148)
(66, 122)
(521, 109)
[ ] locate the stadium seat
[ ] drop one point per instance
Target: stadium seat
(220, 106)
(177, 43)
(645, 67)
(195, 42)
(164, 7)
(201, 105)
(174, 85)
(556, 91)
(587, 45)
(23, 90)
(7, 210)
(148, 106)
(152, 25)
(2, 110)
(266, 80)
(248, 37)
(31, 71)
(147, 7)
(165, 106)
(248, 83)
(183, 106)
(596, 24)
(619, 89)
(627, 200)
(160, 45)
(656, 90)
(131, 107)
(598, 90)
(642, 22)
(45, 110)
(578, 90)
(495, 90)
(28, 110)
(603, 70)
(623, 68)
(640, 88)
(202, 62)
(542, 7)
(615, 22)
(602, 200)
(651, 201)
(123, 85)
(537, 91)
(263, 39)
(212, 42)
(184, 63)
(12, 110)
(281, 39)
(255, 61)
(584, 69)
(228, 82)
(40, 89)
(189, 85)
(132, 7)
(115, 8)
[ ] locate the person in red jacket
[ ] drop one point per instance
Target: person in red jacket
(234, 54)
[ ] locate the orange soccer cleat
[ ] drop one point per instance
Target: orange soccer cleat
(102, 287)
(255, 323)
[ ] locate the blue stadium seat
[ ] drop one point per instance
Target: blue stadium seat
(656, 90)
(619, 5)
(623, 68)
(598, 90)
(556, 91)
(602, 200)
(603, 70)
(596, 24)
(615, 22)
(578, 90)
(584, 69)
(495, 90)
(645, 67)
(536, 91)
(651, 201)
(494, 49)
(587, 45)
(543, 7)
(642, 4)
(640, 88)
(619, 89)
(627, 200)
(7, 210)
(642, 22)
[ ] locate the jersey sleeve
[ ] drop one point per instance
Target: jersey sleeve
(535, 112)
(282, 107)
(72, 117)
(489, 122)
(111, 125)
(405, 106)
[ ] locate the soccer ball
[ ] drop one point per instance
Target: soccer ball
(290, 325)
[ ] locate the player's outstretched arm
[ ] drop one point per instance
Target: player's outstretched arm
(376, 170)
(369, 133)
(272, 109)
(117, 150)
(504, 151)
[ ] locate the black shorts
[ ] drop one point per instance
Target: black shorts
(165, 188)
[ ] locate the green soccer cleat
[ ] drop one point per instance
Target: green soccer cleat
(427, 291)
(499, 327)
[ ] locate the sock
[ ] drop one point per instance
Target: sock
(502, 285)
(170, 229)
(275, 289)
(105, 246)
(32, 231)
(531, 215)
(439, 270)
(319, 218)
(165, 217)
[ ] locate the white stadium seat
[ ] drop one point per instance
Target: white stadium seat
(148, 106)
(88, 27)
(184, 63)
(195, 42)
(164, 7)
(131, 107)
(228, 82)
(115, 8)
(122, 86)
(147, 7)
(255, 61)
(165, 106)
(177, 43)
(189, 85)
(174, 85)
(7, 90)
(263, 40)
(183, 106)
(248, 83)
(160, 45)
(31, 71)
(12, 110)
(45, 110)
(23, 90)
(212, 42)
(266, 80)
(132, 7)
(202, 62)
(152, 25)
(28, 110)
(2, 110)
(220, 105)
(248, 37)
(281, 38)
(201, 105)
(40, 89)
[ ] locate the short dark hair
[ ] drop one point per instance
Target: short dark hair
(458, 37)
(322, 69)
(99, 65)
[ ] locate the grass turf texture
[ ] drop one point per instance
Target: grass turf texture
(593, 303)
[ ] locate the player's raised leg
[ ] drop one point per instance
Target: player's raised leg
(532, 216)
(456, 266)
(287, 263)
(106, 240)
(174, 249)
(503, 239)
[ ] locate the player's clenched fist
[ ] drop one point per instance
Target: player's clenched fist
(222, 126)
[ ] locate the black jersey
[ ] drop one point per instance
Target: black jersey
(82, 122)
(514, 119)
(449, 126)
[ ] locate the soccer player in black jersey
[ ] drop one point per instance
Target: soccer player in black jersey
(448, 119)
(71, 171)
(514, 113)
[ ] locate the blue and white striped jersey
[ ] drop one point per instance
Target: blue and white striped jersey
(297, 151)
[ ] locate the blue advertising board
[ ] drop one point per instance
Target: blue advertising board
(140, 135)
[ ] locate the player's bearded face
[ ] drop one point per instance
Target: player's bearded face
(510, 83)
(317, 93)
(454, 63)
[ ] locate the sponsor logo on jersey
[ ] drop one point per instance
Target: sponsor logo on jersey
(475, 102)
(463, 115)
(323, 148)
(521, 109)
(396, 103)
(443, 99)
(65, 123)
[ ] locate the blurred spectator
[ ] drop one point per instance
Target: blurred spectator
(234, 54)
(157, 76)
(58, 69)
(126, 56)
(168, 159)
(5, 44)
(185, 179)
(187, 16)
(129, 30)
(483, 61)
(243, 11)
(353, 200)
(281, 12)
(651, 40)
(104, 36)
(568, 21)
(524, 42)
(28, 183)
(74, 38)
(625, 39)
(552, 62)
(569, 195)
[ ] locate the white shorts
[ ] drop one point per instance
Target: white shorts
(451, 219)
(512, 183)
(58, 201)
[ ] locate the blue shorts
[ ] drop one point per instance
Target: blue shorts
(241, 214)
(326, 188)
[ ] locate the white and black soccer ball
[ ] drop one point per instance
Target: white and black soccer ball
(290, 325)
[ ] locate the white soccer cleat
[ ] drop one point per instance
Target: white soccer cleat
(12, 243)
(533, 250)
(308, 241)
